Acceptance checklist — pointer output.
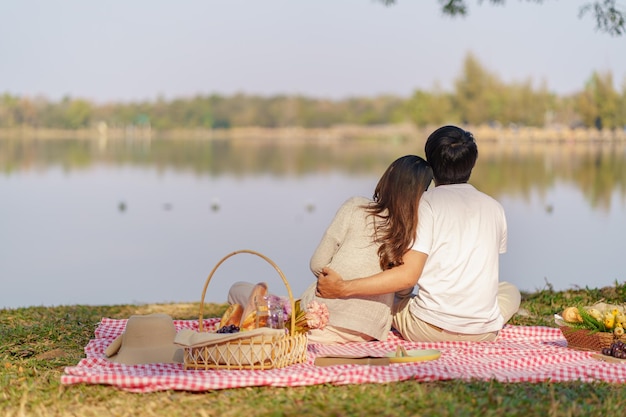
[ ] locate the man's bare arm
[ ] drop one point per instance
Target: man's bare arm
(331, 285)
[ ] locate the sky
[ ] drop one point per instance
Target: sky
(136, 50)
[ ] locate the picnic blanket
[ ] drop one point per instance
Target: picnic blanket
(521, 354)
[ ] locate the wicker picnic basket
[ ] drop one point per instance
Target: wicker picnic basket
(260, 352)
(583, 339)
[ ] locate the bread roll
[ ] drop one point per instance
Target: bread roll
(572, 315)
(232, 315)
(249, 312)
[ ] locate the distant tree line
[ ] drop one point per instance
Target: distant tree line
(478, 97)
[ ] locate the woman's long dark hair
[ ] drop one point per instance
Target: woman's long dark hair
(396, 199)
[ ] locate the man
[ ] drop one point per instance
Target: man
(454, 259)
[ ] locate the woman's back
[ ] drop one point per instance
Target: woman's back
(348, 247)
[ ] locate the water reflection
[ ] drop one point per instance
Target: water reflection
(503, 168)
(145, 221)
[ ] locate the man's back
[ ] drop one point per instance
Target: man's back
(463, 231)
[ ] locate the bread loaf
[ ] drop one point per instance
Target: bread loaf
(571, 315)
(249, 312)
(232, 315)
(249, 322)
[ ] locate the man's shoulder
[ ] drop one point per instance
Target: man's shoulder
(454, 192)
(454, 189)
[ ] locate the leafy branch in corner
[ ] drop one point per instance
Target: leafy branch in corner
(610, 17)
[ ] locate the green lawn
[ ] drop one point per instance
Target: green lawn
(37, 343)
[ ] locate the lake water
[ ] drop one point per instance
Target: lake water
(88, 222)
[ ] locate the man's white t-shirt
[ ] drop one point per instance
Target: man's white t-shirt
(463, 231)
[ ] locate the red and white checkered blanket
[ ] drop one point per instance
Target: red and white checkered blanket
(529, 354)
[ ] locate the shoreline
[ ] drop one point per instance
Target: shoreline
(193, 306)
(331, 135)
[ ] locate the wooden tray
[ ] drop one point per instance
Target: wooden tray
(606, 358)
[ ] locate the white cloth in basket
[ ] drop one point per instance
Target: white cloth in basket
(190, 338)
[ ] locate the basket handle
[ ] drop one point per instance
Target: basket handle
(268, 260)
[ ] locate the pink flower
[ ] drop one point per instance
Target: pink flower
(317, 315)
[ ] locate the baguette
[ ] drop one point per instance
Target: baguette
(249, 322)
(232, 315)
(249, 312)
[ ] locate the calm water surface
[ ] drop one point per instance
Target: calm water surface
(128, 222)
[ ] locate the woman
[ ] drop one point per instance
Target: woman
(366, 237)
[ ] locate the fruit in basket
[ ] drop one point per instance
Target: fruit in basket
(231, 328)
(609, 320)
(599, 317)
(595, 313)
(616, 350)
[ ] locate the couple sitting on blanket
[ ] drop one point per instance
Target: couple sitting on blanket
(446, 240)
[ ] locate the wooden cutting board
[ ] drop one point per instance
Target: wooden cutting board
(606, 358)
(350, 360)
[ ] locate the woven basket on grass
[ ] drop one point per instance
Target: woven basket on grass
(583, 339)
(248, 353)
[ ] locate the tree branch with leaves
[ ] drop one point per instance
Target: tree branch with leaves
(610, 17)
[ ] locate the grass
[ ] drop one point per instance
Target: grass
(37, 343)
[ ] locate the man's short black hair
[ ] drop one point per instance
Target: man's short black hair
(451, 152)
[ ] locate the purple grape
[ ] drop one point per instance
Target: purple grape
(231, 328)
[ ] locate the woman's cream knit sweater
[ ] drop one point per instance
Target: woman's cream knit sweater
(347, 247)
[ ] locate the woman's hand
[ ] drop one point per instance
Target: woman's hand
(330, 284)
